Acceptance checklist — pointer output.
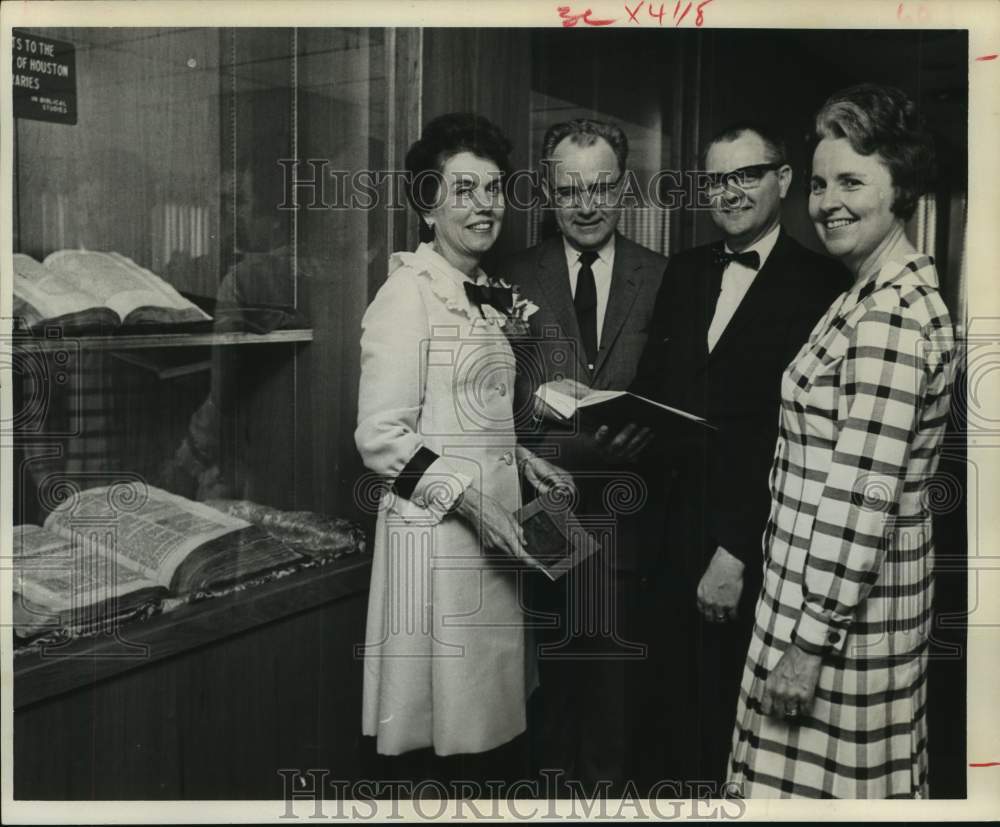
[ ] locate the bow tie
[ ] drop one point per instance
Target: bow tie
(748, 258)
(501, 298)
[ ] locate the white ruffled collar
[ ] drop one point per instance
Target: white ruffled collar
(446, 281)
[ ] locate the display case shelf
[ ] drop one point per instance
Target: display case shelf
(138, 341)
(78, 663)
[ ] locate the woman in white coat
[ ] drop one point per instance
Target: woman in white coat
(446, 665)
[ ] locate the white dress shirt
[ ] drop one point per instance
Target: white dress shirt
(736, 280)
(603, 266)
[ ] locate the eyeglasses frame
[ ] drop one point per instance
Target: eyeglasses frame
(736, 177)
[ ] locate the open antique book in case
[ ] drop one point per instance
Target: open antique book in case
(81, 289)
(116, 552)
(184, 344)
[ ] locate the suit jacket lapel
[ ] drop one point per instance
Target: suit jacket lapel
(553, 278)
(707, 287)
(624, 288)
(757, 298)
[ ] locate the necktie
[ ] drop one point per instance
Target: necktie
(749, 258)
(585, 302)
(732, 285)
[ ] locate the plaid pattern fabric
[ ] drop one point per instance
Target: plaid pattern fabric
(848, 547)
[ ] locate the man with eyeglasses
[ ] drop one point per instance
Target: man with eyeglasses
(595, 291)
(729, 318)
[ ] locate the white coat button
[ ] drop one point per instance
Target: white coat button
(502, 389)
(508, 458)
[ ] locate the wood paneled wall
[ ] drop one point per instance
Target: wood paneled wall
(487, 71)
(341, 111)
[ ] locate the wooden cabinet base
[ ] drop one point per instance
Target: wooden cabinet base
(230, 691)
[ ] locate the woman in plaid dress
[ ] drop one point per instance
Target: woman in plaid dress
(832, 703)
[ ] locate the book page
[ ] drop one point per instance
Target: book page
(118, 282)
(564, 405)
(61, 574)
(152, 528)
(597, 397)
(678, 411)
(170, 297)
(51, 293)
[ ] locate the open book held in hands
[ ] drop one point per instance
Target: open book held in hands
(86, 288)
(554, 537)
(616, 409)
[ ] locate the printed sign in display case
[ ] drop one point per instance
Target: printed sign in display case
(44, 77)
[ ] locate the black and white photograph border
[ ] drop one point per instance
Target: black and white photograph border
(960, 229)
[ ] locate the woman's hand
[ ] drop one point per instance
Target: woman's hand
(543, 475)
(495, 525)
(791, 685)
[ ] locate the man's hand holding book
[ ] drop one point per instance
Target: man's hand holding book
(623, 424)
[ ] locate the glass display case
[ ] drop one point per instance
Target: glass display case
(182, 160)
(185, 359)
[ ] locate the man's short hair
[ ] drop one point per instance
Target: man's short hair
(774, 144)
(585, 132)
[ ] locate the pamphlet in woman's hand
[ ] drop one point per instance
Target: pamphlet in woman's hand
(615, 409)
(554, 537)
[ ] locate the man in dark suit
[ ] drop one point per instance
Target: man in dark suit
(728, 319)
(595, 291)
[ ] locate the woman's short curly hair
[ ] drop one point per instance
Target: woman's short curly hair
(442, 138)
(883, 120)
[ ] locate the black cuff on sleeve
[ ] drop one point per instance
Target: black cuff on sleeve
(414, 470)
(807, 647)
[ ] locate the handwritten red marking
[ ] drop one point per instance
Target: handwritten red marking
(700, 19)
(987, 57)
(987, 764)
(923, 13)
(589, 22)
(687, 8)
(570, 19)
